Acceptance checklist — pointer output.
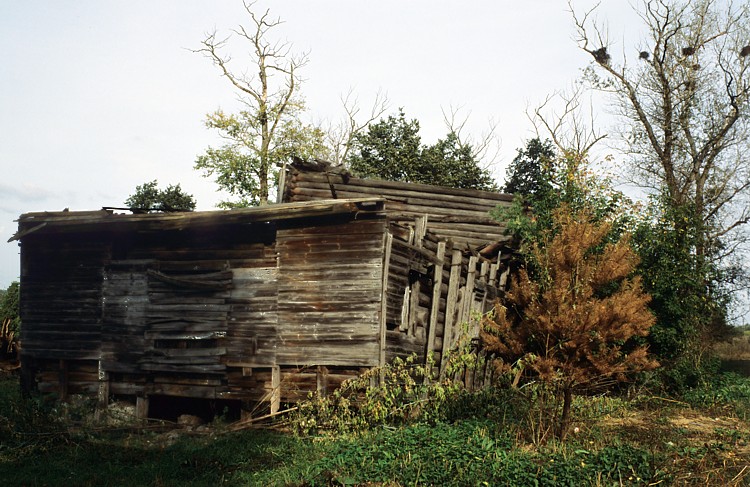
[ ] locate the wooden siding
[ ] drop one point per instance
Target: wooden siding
(260, 305)
(330, 292)
(61, 309)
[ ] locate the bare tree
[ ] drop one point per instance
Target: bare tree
(262, 134)
(568, 127)
(484, 148)
(685, 94)
(339, 136)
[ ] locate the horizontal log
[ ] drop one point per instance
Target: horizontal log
(301, 176)
(413, 198)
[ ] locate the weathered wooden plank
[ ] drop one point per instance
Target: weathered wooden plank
(436, 290)
(417, 189)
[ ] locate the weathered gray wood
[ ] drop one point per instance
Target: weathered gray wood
(436, 289)
(416, 188)
(275, 389)
(388, 244)
(141, 407)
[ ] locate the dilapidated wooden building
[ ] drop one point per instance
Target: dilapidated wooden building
(258, 305)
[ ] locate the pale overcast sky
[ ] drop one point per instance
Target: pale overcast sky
(98, 96)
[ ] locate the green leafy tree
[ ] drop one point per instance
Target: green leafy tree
(690, 297)
(571, 324)
(261, 137)
(10, 308)
(392, 149)
(149, 198)
(551, 179)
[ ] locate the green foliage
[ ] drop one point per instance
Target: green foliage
(394, 394)
(10, 308)
(149, 198)
(690, 291)
(689, 296)
(530, 174)
(476, 453)
(727, 391)
(244, 166)
(38, 449)
(392, 149)
(544, 180)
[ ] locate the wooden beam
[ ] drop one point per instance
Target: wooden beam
(454, 283)
(388, 244)
(103, 394)
(275, 388)
(437, 284)
(141, 407)
(321, 377)
(62, 380)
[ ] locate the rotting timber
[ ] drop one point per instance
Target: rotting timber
(259, 305)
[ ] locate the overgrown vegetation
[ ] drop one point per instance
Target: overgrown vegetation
(10, 320)
(481, 442)
(573, 325)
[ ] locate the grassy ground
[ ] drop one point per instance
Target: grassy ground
(652, 441)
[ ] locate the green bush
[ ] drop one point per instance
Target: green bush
(10, 307)
(728, 391)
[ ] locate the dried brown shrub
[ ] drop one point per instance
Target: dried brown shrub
(572, 323)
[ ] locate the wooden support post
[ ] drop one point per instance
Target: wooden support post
(484, 278)
(388, 244)
(62, 380)
(420, 228)
(322, 379)
(437, 284)
(103, 394)
(468, 301)
(413, 307)
(454, 282)
(404, 324)
(141, 407)
(503, 279)
(493, 274)
(275, 389)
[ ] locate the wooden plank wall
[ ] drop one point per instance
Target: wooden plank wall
(329, 295)
(257, 312)
(61, 296)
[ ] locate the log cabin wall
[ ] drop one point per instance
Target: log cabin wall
(447, 262)
(260, 305)
(459, 215)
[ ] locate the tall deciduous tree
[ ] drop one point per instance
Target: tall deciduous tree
(570, 324)
(267, 132)
(684, 95)
(392, 149)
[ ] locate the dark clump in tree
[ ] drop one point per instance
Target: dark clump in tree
(149, 198)
(571, 325)
(392, 149)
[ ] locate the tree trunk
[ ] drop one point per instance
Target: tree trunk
(565, 418)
